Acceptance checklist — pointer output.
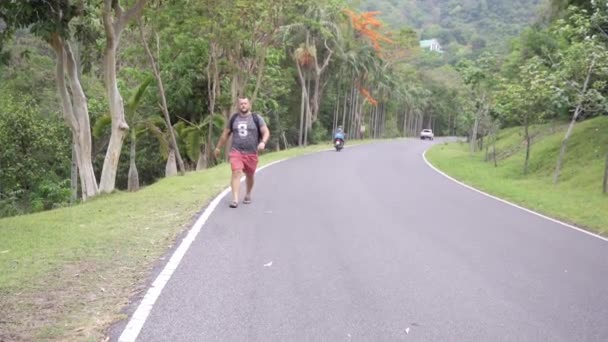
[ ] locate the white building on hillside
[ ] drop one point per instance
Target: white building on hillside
(431, 44)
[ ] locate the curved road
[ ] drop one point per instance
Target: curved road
(371, 244)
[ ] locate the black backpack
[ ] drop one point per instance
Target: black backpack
(256, 120)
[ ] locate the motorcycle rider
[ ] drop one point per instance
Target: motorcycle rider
(339, 134)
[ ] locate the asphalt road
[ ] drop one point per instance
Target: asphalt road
(371, 244)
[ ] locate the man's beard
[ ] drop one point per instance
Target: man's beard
(244, 111)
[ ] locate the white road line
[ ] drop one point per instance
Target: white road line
(138, 319)
(144, 308)
(512, 204)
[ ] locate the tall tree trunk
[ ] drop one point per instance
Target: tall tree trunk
(163, 98)
(369, 121)
(334, 124)
(234, 93)
(285, 143)
(133, 183)
(577, 112)
(261, 66)
(344, 109)
(75, 112)
(404, 129)
(410, 121)
(372, 123)
(74, 176)
(305, 105)
(308, 116)
(605, 183)
(213, 92)
(356, 114)
(302, 110)
(318, 88)
(478, 115)
(202, 161)
(378, 117)
(119, 125)
(528, 143)
(378, 122)
(113, 26)
(417, 124)
(81, 111)
(353, 121)
(474, 133)
(237, 87)
(562, 151)
(494, 150)
(171, 166)
(383, 121)
(351, 105)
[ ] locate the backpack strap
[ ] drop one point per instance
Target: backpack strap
(256, 120)
(232, 118)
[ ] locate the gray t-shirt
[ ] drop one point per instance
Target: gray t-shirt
(245, 133)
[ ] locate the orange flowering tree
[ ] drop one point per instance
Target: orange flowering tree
(367, 26)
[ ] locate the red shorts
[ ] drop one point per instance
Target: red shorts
(247, 162)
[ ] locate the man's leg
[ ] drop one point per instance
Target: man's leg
(250, 181)
(235, 185)
(237, 166)
(250, 164)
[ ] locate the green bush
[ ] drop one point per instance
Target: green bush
(318, 133)
(9, 205)
(50, 195)
(34, 157)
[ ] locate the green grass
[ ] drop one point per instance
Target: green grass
(576, 199)
(67, 273)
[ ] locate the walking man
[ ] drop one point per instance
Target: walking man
(249, 135)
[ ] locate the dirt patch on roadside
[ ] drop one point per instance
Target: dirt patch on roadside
(75, 303)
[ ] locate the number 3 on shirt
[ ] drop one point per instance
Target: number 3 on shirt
(242, 127)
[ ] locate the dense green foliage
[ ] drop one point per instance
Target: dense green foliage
(464, 28)
(309, 66)
(35, 158)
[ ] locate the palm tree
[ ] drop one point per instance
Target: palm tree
(197, 135)
(158, 127)
(310, 40)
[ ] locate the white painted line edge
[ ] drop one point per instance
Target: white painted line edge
(511, 204)
(136, 323)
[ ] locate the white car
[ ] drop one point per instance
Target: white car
(427, 134)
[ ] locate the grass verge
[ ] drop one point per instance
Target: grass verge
(576, 199)
(66, 274)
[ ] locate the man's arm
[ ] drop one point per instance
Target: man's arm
(265, 136)
(221, 141)
(265, 133)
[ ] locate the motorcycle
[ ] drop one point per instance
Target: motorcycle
(338, 144)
